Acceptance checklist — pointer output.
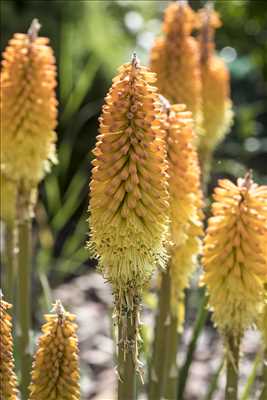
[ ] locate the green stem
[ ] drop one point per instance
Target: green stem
(171, 367)
(24, 296)
(128, 353)
(206, 158)
(263, 395)
(214, 382)
(158, 361)
(200, 322)
(251, 378)
(10, 262)
(232, 366)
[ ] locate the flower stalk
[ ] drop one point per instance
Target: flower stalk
(129, 202)
(8, 199)
(24, 291)
(128, 363)
(232, 367)
(158, 361)
(10, 261)
(170, 377)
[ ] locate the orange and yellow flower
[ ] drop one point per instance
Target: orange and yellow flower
(235, 264)
(28, 110)
(176, 60)
(129, 196)
(55, 373)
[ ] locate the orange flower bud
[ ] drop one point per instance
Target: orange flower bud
(175, 58)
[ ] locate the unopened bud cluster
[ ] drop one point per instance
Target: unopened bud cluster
(55, 374)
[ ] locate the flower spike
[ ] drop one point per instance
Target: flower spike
(28, 110)
(55, 372)
(129, 196)
(235, 264)
(175, 59)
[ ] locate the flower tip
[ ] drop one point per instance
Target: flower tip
(209, 7)
(58, 308)
(247, 181)
(248, 178)
(34, 29)
(135, 60)
(182, 3)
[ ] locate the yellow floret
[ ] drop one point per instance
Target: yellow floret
(55, 372)
(235, 265)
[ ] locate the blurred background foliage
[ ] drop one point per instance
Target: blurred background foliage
(91, 39)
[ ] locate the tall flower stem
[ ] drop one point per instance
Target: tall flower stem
(160, 360)
(232, 366)
(10, 261)
(24, 297)
(127, 352)
(171, 367)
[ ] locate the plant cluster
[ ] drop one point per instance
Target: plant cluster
(158, 129)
